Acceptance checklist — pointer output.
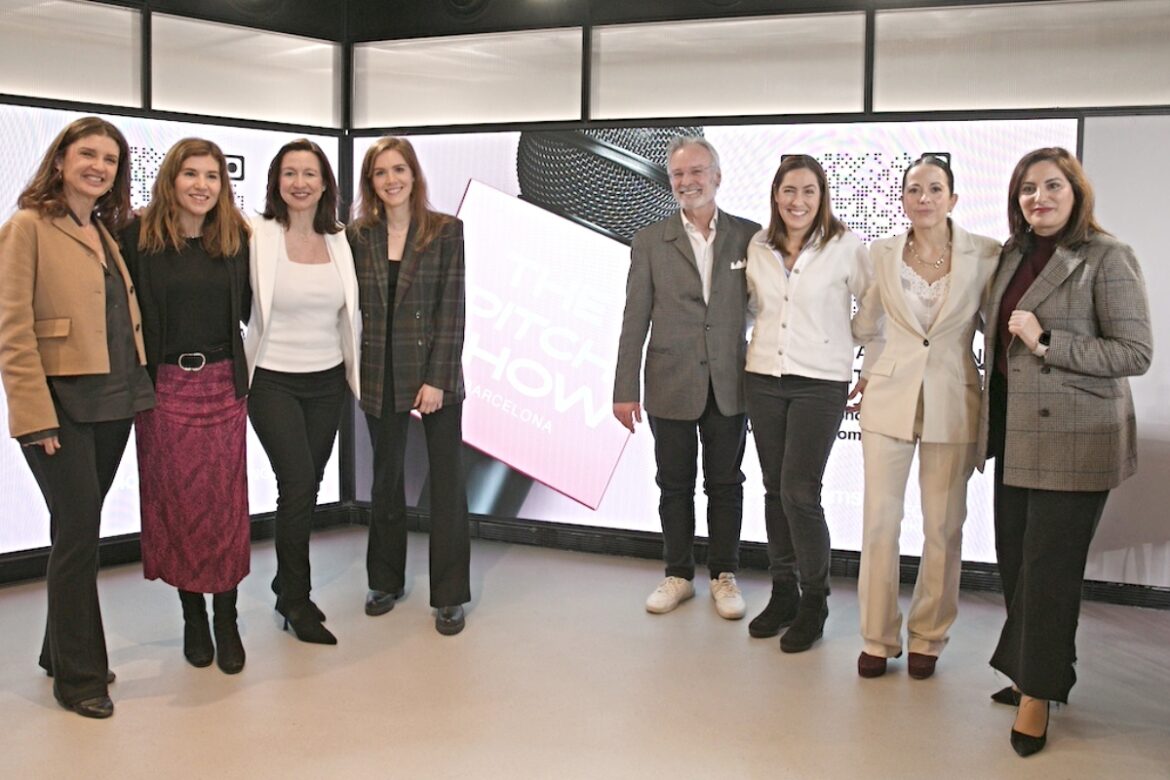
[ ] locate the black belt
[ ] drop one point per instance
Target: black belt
(195, 361)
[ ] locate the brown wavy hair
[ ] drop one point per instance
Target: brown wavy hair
(825, 225)
(224, 227)
(325, 220)
(370, 211)
(1081, 222)
(45, 191)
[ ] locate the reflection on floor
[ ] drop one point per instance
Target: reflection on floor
(561, 674)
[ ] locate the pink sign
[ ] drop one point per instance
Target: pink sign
(544, 311)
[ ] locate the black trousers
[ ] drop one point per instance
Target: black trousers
(1042, 541)
(450, 538)
(74, 482)
(296, 417)
(676, 451)
(795, 420)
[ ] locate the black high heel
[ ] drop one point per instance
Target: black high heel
(305, 625)
(1026, 744)
(277, 590)
(313, 608)
(1009, 696)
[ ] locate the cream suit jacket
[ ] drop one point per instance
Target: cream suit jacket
(264, 249)
(939, 361)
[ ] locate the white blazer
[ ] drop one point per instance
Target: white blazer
(939, 362)
(263, 252)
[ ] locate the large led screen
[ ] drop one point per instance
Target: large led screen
(548, 217)
(27, 132)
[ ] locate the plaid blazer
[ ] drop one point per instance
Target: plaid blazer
(1070, 419)
(426, 318)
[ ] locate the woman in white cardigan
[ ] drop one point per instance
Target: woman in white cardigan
(921, 391)
(301, 347)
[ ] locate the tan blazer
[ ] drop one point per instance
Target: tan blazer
(52, 313)
(938, 362)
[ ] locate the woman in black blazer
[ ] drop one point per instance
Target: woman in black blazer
(188, 256)
(409, 262)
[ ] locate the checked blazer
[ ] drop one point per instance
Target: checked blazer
(1070, 419)
(426, 317)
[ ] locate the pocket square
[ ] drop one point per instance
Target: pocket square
(739, 265)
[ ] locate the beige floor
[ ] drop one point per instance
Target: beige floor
(560, 674)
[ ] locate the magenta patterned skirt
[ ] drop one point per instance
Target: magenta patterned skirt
(193, 480)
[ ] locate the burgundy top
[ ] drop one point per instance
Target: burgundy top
(1043, 247)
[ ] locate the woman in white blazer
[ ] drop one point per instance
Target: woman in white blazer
(921, 391)
(301, 347)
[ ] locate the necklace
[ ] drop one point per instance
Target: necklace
(937, 263)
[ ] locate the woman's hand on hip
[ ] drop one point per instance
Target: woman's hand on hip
(857, 392)
(429, 399)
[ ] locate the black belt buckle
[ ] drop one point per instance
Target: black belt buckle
(192, 361)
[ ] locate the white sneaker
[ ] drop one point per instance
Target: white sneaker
(728, 600)
(671, 592)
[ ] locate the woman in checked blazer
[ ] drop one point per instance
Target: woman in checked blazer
(411, 287)
(1067, 322)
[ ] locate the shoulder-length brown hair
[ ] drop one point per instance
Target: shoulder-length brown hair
(1081, 222)
(325, 220)
(45, 192)
(224, 226)
(825, 226)
(370, 211)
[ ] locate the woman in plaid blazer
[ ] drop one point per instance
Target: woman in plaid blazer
(409, 263)
(1067, 321)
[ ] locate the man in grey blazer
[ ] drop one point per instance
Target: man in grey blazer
(686, 288)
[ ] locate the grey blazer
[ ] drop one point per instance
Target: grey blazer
(1070, 420)
(692, 343)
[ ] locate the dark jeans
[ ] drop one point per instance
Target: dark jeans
(74, 482)
(795, 422)
(450, 538)
(1041, 542)
(676, 451)
(296, 417)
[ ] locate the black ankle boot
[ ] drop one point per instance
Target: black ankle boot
(809, 624)
(197, 645)
(227, 633)
(779, 613)
(306, 623)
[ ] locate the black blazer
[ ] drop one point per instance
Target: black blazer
(427, 316)
(150, 281)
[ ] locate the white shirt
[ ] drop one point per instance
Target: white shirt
(802, 319)
(704, 249)
(307, 305)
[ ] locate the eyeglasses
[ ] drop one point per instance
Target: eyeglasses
(695, 172)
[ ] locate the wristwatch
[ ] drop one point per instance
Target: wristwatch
(1046, 338)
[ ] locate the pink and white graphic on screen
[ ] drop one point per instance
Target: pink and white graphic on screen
(544, 310)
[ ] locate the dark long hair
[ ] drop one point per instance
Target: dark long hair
(224, 226)
(825, 224)
(45, 192)
(325, 220)
(370, 210)
(1081, 222)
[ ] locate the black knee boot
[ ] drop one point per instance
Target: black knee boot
(809, 624)
(197, 645)
(227, 633)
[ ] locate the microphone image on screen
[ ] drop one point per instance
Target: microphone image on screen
(612, 180)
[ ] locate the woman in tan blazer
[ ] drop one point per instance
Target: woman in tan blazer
(1067, 321)
(71, 357)
(921, 386)
(921, 393)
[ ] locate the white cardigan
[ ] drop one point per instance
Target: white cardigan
(802, 319)
(263, 250)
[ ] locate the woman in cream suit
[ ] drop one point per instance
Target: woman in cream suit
(302, 352)
(921, 386)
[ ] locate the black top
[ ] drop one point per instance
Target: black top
(126, 390)
(388, 367)
(1031, 265)
(191, 302)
